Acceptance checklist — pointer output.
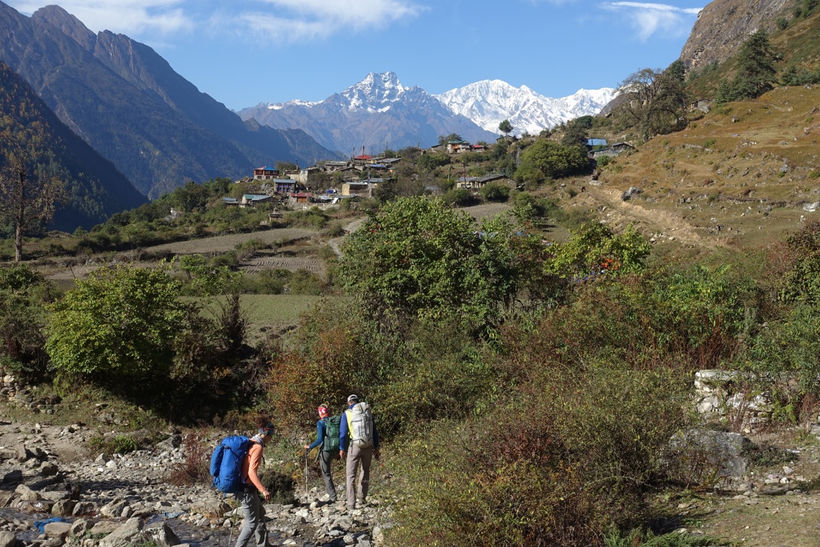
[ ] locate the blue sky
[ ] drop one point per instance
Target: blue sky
(242, 52)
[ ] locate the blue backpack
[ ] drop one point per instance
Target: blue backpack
(226, 463)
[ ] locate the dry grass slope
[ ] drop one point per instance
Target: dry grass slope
(742, 175)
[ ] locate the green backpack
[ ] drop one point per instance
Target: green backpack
(331, 441)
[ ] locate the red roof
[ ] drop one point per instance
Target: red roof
(363, 157)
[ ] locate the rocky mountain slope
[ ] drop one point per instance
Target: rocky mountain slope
(489, 102)
(723, 25)
(128, 103)
(95, 188)
(373, 114)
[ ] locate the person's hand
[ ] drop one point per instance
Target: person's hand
(307, 447)
(266, 495)
(342, 454)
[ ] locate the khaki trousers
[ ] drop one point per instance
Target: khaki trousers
(358, 462)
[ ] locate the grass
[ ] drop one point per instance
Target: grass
(266, 312)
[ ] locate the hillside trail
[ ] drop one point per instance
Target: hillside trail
(668, 223)
(336, 242)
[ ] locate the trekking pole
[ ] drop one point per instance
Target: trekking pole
(306, 474)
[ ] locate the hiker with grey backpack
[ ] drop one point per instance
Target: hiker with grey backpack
(327, 438)
(358, 441)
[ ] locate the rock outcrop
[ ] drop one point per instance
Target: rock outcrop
(724, 25)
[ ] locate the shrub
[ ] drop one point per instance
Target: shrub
(23, 297)
(330, 358)
(558, 466)
(460, 197)
(496, 192)
(195, 468)
(118, 327)
(790, 344)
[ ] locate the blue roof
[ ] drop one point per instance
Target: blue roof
(284, 181)
(596, 142)
(268, 168)
(255, 197)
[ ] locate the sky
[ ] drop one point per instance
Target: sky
(245, 52)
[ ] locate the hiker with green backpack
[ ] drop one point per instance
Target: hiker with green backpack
(327, 436)
(358, 435)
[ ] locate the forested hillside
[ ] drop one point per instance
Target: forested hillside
(95, 189)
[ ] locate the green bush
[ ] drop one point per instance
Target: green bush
(460, 197)
(790, 344)
(117, 326)
(496, 192)
(23, 297)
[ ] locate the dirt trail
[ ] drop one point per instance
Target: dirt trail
(665, 222)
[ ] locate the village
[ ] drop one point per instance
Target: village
(329, 182)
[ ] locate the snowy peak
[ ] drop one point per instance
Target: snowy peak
(489, 102)
(376, 93)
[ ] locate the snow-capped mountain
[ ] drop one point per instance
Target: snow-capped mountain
(374, 114)
(489, 102)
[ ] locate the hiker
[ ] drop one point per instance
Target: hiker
(327, 436)
(358, 427)
(248, 495)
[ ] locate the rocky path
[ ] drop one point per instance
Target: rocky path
(667, 225)
(127, 500)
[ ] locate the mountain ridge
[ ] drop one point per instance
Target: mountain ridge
(375, 113)
(489, 102)
(130, 105)
(95, 188)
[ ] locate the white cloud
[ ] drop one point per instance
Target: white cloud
(295, 20)
(649, 18)
(126, 16)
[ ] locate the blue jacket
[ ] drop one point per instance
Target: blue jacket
(343, 431)
(321, 430)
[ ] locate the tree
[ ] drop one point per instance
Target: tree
(552, 159)
(656, 100)
(118, 326)
(416, 257)
(755, 73)
(505, 127)
(29, 190)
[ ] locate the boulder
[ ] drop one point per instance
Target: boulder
(630, 193)
(8, 539)
(25, 493)
(704, 455)
(79, 527)
(124, 536)
(160, 534)
(57, 529)
(63, 508)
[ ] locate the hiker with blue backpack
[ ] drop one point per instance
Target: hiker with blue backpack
(327, 437)
(235, 468)
(360, 442)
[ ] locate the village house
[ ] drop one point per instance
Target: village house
(333, 166)
(616, 149)
(284, 186)
(457, 147)
(304, 176)
(477, 183)
(265, 173)
(249, 200)
(357, 188)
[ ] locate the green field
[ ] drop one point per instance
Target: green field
(265, 312)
